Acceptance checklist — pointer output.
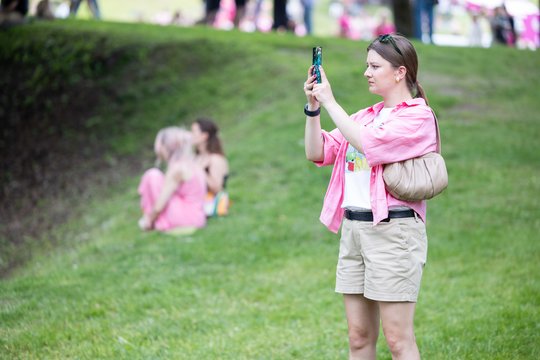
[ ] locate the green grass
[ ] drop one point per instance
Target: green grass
(259, 283)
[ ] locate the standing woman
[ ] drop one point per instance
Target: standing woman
(383, 245)
(210, 157)
(175, 199)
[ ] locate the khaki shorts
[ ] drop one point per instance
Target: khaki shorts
(383, 262)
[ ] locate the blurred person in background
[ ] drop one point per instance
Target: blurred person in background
(384, 26)
(240, 12)
(92, 5)
(502, 25)
(43, 10)
(343, 14)
(175, 199)
(475, 34)
(424, 18)
(281, 18)
(211, 8)
(13, 11)
(258, 18)
(211, 158)
(308, 15)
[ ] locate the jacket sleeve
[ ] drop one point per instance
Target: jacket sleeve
(332, 141)
(408, 133)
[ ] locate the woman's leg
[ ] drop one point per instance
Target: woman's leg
(398, 327)
(363, 321)
(94, 9)
(74, 7)
(308, 12)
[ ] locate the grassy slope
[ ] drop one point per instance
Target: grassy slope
(258, 284)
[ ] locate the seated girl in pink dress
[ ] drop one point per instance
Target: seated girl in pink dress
(173, 200)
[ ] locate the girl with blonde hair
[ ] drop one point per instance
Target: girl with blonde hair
(174, 199)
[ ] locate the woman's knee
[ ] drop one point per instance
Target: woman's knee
(399, 341)
(361, 338)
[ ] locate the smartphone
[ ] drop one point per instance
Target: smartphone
(317, 61)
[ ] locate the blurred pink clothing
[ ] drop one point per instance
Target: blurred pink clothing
(186, 205)
(344, 26)
(385, 28)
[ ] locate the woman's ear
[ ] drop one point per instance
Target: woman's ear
(401, 72)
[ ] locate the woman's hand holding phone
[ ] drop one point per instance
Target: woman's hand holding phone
(322, 92)
(313, 104)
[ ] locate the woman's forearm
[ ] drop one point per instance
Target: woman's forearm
(348, 128)
(313, 140)
(164, 196)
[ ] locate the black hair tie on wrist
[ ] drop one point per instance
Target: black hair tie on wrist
(311, 113)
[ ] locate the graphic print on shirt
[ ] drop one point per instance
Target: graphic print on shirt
(355, 160)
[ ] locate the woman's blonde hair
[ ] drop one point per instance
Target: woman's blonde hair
(177, 142)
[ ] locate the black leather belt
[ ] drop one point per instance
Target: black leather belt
(368, 215)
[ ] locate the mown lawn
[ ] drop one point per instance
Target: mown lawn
(259, 283)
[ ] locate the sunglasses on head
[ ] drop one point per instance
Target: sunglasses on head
(387, 38)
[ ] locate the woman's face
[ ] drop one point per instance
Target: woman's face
(160, 150)
(380, 73)
(198, 137)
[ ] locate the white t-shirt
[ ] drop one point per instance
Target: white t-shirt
(357, 173)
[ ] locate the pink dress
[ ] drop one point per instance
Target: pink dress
(185, 208)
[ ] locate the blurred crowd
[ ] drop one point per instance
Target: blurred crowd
(433, 21)
(506, 22)
(16, 11)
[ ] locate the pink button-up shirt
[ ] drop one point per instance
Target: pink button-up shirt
(408, 132)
